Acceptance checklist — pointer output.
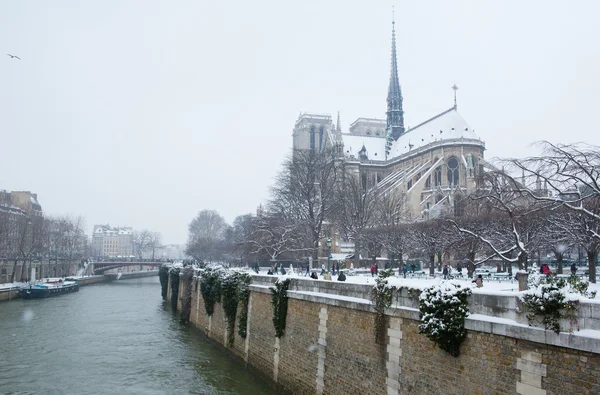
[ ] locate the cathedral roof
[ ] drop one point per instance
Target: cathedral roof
(448, 125)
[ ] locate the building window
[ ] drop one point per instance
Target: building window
(312, 138)
(453, 171)
(437, 176)
(428, 182)
(409, 185)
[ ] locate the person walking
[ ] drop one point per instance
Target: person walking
(373, 270)
(445, 271)
(307, 270)
(404, 270)
(573, 269)
(478, 281)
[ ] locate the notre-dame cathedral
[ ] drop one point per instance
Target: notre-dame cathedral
(434, 163)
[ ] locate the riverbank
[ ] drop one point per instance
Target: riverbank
(10, 291)
(329, 344)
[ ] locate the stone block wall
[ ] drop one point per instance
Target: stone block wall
(329, 347)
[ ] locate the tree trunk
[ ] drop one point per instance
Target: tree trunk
(471, 264)
(400, 261)
(439, 256)
(23, 269)
(356, 254)
(559, 262)
(592, 256)
(12, 276)
(432, 265)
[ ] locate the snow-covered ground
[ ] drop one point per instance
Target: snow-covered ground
(423, 281)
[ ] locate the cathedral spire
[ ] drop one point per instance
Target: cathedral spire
(338, 127)
(395, 113)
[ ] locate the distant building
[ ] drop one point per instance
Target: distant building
(16, 208)
(112, 242)
(174, 252)
(23, 202)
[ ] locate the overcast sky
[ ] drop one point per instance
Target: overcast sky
(141, 113)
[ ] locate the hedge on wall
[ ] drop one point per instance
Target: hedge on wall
(551, 299)
(174, 275)
(279, 301)
(187, 275)
(244, 297)
(210, 287)
(443, 309)
(163, 275)
(382, 295)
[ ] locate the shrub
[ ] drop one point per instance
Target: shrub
(443, 309)
(279, 300)
(551, 299)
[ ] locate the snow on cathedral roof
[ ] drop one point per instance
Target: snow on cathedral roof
(448, 125)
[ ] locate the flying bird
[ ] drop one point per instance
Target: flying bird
(13, 56)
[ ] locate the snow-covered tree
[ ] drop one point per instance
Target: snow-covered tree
(304, 193)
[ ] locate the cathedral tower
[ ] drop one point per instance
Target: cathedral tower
(395, 113)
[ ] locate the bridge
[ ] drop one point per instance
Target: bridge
(101, 267)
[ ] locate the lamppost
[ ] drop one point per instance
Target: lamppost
(328, 252)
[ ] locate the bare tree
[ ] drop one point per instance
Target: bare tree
(555, 238)
(431, 238)
(357, 208)
(154, 242)
(205, 233)
(275, 236)
(513, 216)
(570, 173)
(28, 241)
(582, 228)
(305, 192)
(392, 228)
(141, 242)
(241, 237)
(74, 238)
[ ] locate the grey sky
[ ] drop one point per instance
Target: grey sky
(142, 113)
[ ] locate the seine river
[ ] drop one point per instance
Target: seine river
(111, 338)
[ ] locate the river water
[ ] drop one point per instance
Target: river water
(112, 338)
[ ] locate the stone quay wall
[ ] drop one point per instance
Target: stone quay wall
(329, 345)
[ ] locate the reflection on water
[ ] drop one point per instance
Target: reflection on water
(117, 337)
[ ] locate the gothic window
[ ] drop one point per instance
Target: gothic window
(428, 182)
(453, 171)
(409, 185)
(438, 198)
(378, 178)
(321, 138)
(312, 137)
(368, 132)
(437, 176)
(364, 180)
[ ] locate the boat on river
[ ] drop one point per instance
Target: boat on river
(49, 288)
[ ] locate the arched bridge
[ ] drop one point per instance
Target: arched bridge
(101, 267)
